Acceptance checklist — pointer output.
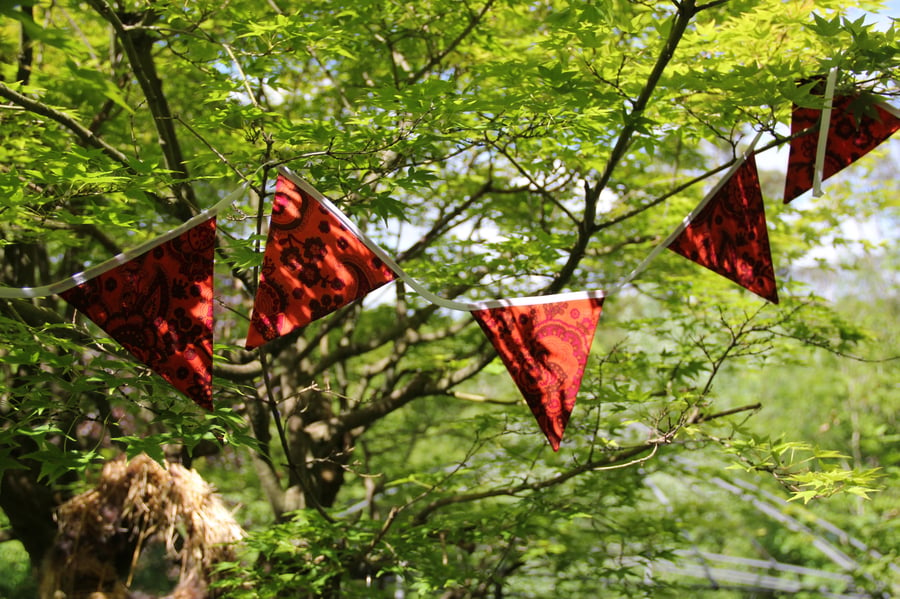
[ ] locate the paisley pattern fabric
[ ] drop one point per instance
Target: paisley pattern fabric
(849, 138)
(159, 307)
(312, 266)
(545, 348)
(729, 235)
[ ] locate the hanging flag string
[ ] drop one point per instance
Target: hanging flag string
(824, 125)
(516, 301)
(849, 135)
(467, 306)
(99, 269)
(416, 285)
(889, 108)
(687, 219)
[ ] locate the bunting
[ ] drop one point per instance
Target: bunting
(545, 348)
(850, 136)
(313, 265)
(156, 300)
(729, 237)
(159, 307)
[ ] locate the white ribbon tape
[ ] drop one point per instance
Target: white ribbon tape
(95, 271)
(687, 219)
(417, 286)
(824, 124)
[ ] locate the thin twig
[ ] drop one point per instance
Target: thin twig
(212, 148)
(599, 464)
(244, 80)
(300, 471)
(699, 417)
(436, 59)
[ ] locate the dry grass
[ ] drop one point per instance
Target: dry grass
(102, 532)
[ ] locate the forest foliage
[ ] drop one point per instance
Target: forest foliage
(720, 445)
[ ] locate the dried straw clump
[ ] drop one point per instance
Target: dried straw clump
(103, 531)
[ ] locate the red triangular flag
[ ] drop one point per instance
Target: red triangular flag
(159, 306)
(312, 266)
(729, 236)
(848, 140)
(545, 348)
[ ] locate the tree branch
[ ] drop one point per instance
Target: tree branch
(408, 328)
(298, 469)
(92, 231)
(418, 386)
(442, 224)
(437, 58)
(138, 45)
(699, 417)
(779, 140)
(712, 4)
(621, 459)
(85, 135)
(482, 399)
(540, 188)
(26, 47)
(236, 372)
(260, 419)
(686, 12)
